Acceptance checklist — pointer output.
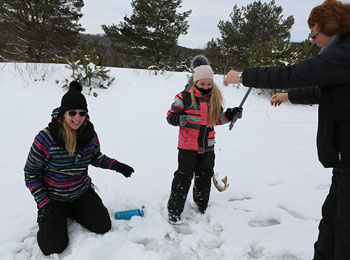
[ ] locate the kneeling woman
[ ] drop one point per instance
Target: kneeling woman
(56, 173)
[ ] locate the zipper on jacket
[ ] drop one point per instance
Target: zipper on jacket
(186, 136)
(339, 156)
(205, 133)
(205, 130)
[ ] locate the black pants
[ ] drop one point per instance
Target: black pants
(191, 163)
(88, 210)
(333, 241)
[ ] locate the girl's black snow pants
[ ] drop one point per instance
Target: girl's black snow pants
(191, 163)
(333, 241)
(88, 210)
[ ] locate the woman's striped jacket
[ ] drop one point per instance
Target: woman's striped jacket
(51, 173)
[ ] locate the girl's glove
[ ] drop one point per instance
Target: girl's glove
(177, 120)
(231, 112)
(123, 168)
(182, 120)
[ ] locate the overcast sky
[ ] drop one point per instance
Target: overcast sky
(203, 20)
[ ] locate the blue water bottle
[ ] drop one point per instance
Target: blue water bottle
(128, 214)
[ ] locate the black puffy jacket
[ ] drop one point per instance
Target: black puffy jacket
(330, 70)
(305, 96)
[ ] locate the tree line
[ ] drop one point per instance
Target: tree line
(48, 31)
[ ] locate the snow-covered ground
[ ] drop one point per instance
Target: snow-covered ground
(270, 211)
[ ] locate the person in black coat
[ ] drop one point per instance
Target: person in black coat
(330, 71)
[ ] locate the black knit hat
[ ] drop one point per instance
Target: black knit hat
(73, 99)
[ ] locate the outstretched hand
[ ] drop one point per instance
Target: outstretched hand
(123, 168)
(231, 78)
(278, 99)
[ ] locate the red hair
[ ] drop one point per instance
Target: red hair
(332, 17)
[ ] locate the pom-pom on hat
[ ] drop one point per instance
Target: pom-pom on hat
(73, 99)
(201, 67)
(198, 61)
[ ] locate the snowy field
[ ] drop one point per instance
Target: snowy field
(270, 211)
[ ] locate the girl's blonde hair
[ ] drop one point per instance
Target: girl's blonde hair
(69, 136)
(215, 103)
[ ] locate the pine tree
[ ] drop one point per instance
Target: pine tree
(149, 36)
(274, 52)
(220, 58)
(251, 27)
(36, 31)
(85, 67)
(305, 50)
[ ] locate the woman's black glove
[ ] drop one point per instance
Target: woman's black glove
(123, 168)
(231, 112)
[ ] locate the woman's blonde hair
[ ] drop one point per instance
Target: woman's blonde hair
(69, 136)
(215, 105)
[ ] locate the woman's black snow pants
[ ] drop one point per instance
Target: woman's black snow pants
(191, 163)
(333, 241)
(88, 210)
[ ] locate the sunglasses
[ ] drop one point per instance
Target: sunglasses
(72, 113)
(313, 35)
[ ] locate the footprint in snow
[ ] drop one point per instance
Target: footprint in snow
(149, 244)
(24, 249)
(295, 213)
(204, 233)
(240, 198)
(183, 228)
(267, 222)
(258, 252)
(200, 228)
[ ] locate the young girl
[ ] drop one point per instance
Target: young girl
(196, 110)
(56, 173)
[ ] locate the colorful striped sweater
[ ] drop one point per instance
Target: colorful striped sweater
(51, 173)
(197, 134)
